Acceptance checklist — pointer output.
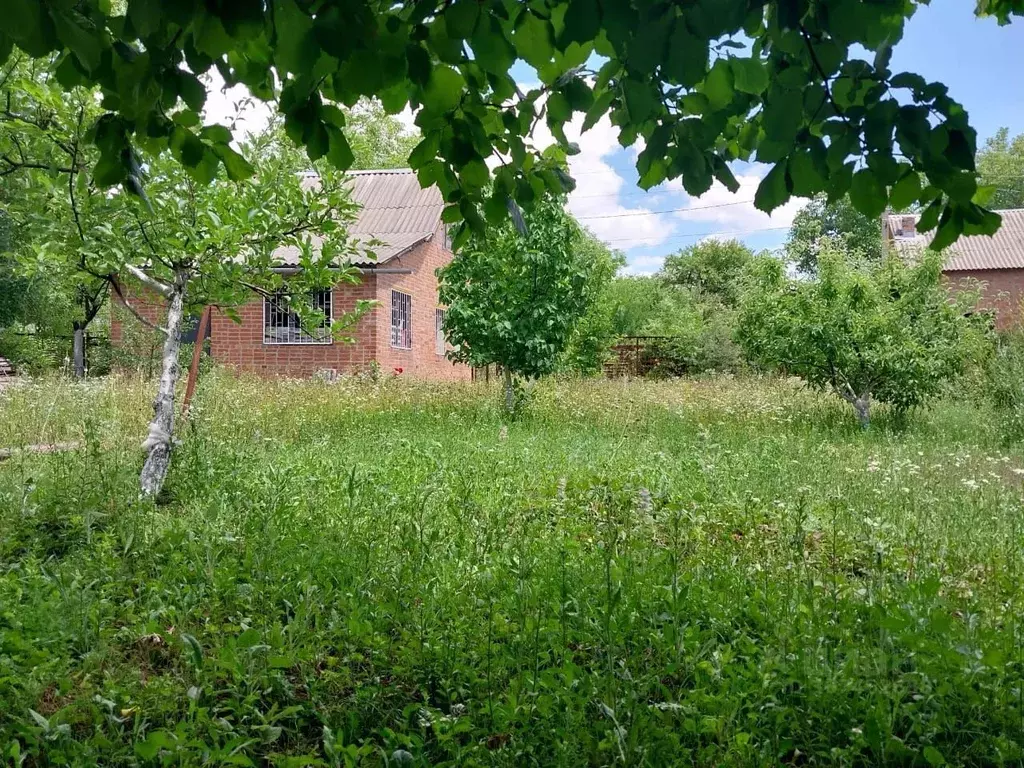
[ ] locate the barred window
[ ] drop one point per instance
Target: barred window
(401, 320)
(440, 346)
(281, 325)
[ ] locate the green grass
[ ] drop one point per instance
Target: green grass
(719, 572)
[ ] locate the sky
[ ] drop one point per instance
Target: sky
(981, 63)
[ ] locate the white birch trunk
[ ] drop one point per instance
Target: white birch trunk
(510, 392)
(161, 428)
(78, 349)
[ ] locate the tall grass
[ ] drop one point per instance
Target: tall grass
(710, 572)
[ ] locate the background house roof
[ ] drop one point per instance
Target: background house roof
(1003, 250)
(395, 210)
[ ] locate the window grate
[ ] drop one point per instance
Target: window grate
(440, 345)
(281, 325)
(401, 320)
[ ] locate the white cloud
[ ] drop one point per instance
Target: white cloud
(235, 104)
(599, 187)
(735, 212)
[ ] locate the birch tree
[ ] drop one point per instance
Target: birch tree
(199, 243)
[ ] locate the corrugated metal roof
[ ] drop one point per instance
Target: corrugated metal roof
(396, 210)
(1003, 250)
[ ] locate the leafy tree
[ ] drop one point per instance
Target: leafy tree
(821, 222)
(1001, 165)
(57, 216)
(802, 97)
(514, 299)
(378, 140)
(712, 269)
(884, 330)
(214, 244)
(594, 333)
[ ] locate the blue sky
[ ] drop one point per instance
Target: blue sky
(981, 62)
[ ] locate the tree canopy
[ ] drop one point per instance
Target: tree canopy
(783, 82)
(1001, 166)
(821, 222)
(514, 300)
(886, 330)
(712, 268)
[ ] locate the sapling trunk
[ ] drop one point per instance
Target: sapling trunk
(78, 349)
(510, 392)
(861, 406)
(161, 428)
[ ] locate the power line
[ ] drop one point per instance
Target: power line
(695, 234)
(667, 210)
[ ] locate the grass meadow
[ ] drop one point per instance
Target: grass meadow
(721, 572)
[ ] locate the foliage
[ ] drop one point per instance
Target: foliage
(821, 222)
(884, 331)
(594, 332)
(378, 140)
(779, 588)
(58, 218)
(1001, 165)
(513, 299)
(797, 94)
(713, 269)
(697, 330)
(1004, 383)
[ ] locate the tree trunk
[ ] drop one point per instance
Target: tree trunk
(510, 392)
(161, 428)
(860, 406)
(78, 349)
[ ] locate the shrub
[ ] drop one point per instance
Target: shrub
(885, 331)
(1004, 382)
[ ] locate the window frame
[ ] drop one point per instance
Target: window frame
(396, 312)
(295, 334)
(440, 342)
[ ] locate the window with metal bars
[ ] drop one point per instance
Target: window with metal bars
(281, 325)
(401, 320)
(440, 346)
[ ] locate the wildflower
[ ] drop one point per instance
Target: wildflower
(644, 504)
(503, 433)
(972, 484)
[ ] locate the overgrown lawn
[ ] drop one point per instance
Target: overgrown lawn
(719, 572)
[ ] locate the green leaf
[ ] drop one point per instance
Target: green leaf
(932, 756)
(475, 174)
(339, 153)
(905, 191)
(533, 40)
(867, 193)
(718, 85)
(460, 18)
(28, 25)
(687, 60)
(639, 98)
(444, 91)
(237, 167)
(582, 22)
(297, 49)
(749, 75)
(491, 48)
(772, 191)
(146, 16)
(950, 226)
(805, 174)
(78, 34)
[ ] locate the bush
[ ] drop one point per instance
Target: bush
(1004, 382)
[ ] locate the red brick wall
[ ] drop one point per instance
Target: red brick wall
(240, 345)
(422, 361)
(1001, 290)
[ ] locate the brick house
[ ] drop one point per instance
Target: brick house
(401, 334)
(995, 263)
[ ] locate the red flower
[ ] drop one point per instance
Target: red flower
(398, 371)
